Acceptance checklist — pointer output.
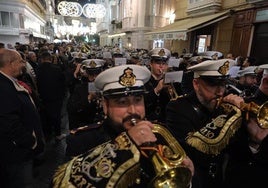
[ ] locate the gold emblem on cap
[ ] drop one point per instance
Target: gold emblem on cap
(215, 56)
(224, 68)
(92, 64)
(256, 70)
(161, 52)
(80, 55)
(128, 79)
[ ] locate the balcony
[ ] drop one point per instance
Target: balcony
(202, 7)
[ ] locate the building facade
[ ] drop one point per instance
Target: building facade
(26, 21)
(230, 26)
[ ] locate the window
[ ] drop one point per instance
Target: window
(195, 1)
(5, 19)
(21, 20)
(14, 20)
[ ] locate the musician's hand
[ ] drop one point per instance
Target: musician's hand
(234, 99)
(77, 69)
(91, 96)
(256, 133)
(187, 162)
(159, 87)
(142, 132)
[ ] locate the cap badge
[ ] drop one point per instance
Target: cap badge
(256, 70)
(92, 64)
(80, 55)
(224, 68)
(128, 79)
(161, 52)
(215, 56)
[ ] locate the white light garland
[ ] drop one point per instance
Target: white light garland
(70, 9)
(74, 9)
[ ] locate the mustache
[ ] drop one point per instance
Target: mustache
(130, 117)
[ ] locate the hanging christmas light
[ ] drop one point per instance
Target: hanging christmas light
(70, 9)
(94, 10)
(74, 9)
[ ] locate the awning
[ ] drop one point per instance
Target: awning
(39, 35)
(178, 30)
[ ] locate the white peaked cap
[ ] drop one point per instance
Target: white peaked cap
(212, 68)
(93, 63)
(160, 53)
(248, 70)
(123, 80)
(265, 68)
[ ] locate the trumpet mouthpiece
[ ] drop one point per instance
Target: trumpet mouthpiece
(133, 121)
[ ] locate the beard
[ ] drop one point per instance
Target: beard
(208, 104)
(126, 122)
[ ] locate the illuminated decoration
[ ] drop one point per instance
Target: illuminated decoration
(74, 9)
(94, 10)
(70, 9)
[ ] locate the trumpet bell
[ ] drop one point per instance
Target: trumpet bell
(262, 115)
(168, 169)
(179, 177)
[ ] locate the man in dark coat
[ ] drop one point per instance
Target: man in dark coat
(51, 87)
(21, 136)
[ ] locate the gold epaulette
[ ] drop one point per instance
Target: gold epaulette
(85, 128)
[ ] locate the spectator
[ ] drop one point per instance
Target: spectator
(51, 87)
(21, 136)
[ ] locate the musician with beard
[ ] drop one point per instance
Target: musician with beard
(246, 84)
(201, 125)
(112, 155)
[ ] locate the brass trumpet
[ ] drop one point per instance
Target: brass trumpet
(172, 92)
(167, 164)
(261, 111)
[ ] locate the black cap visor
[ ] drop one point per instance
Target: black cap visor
(215, 80)
(122, 92)
(93, 71)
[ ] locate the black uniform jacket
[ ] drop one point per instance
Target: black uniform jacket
(105, 158)
(245, 168)
(81, 111)
(108, 159)
(84, 138)
(187, 117)
(156, 104)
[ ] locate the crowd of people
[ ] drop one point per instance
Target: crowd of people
(136, 117)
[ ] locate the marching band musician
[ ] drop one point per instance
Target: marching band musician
(113, 154)
(246, 84)
(197, 122)
(158, 95)
(248, 161)
(84, 104)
